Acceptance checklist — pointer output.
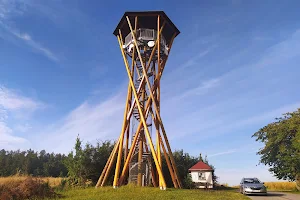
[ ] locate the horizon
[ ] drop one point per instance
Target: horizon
(231, 71)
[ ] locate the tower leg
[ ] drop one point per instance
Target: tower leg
(140, 159)
(107, 164)
(120, 150)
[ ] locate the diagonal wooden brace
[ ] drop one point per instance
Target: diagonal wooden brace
(147, 68)
(153, 99)
(141, 113)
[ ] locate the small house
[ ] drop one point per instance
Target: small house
(202, 175)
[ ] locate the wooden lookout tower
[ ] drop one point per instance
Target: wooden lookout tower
(145, 40)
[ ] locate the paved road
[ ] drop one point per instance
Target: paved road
(276, 196)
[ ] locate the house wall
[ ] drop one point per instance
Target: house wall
(200, 183)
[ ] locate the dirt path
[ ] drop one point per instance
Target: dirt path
(276, 196)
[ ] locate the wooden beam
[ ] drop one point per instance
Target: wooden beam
(155, 105)
(137, 102)
(143, 78)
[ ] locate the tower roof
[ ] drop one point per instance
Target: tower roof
(147, 19)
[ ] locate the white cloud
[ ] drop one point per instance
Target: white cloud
(12, 105)
(3, 114)
(194, 59)
(248, 95)
(102, 121)
(23, 127)
(202, 88)
(11, 100)
(25, 36)
(36, 46)
(7, 139)
(223, 153)
(10, 8)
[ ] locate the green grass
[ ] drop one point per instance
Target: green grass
(131, 192)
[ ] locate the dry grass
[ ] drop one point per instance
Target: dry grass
(281, 186)
(29, 188)
(53, 182)
(278, 186)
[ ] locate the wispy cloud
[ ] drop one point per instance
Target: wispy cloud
(7, 139)
(27, 39)
(242, 96)
(202, 88)
(9, 9)
(223, 153)
(213, 115)
(11, 100)
(194, 59)
(92, 121)
(23, 127)
(12, 105)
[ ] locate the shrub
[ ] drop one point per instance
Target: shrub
(27, 189)
(188, 182)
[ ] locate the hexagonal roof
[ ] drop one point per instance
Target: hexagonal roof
(147, 19)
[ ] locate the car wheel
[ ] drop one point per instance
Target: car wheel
(243, 192)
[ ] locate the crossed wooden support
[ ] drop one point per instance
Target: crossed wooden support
(150, 108)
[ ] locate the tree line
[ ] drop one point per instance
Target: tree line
(83, 165)
(33, 163)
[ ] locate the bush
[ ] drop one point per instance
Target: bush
(27, 189)
(188, 182)
(298, 182)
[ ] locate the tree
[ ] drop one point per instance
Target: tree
(188, 182)
(85, 164)
(282, 146)
(75, 166)
(183, 162)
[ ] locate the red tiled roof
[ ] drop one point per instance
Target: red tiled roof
(201, 166)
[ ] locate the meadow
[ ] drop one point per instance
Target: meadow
(27, 186)
(132, 192)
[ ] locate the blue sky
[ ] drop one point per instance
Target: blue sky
(232, 70)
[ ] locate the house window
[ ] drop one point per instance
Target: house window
(201, 176)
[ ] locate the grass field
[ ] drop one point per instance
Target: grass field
(51, 180)
(280, 186)
(124, 192)
(131, 192)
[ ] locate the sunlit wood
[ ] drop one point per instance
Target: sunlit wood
(148, 49)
